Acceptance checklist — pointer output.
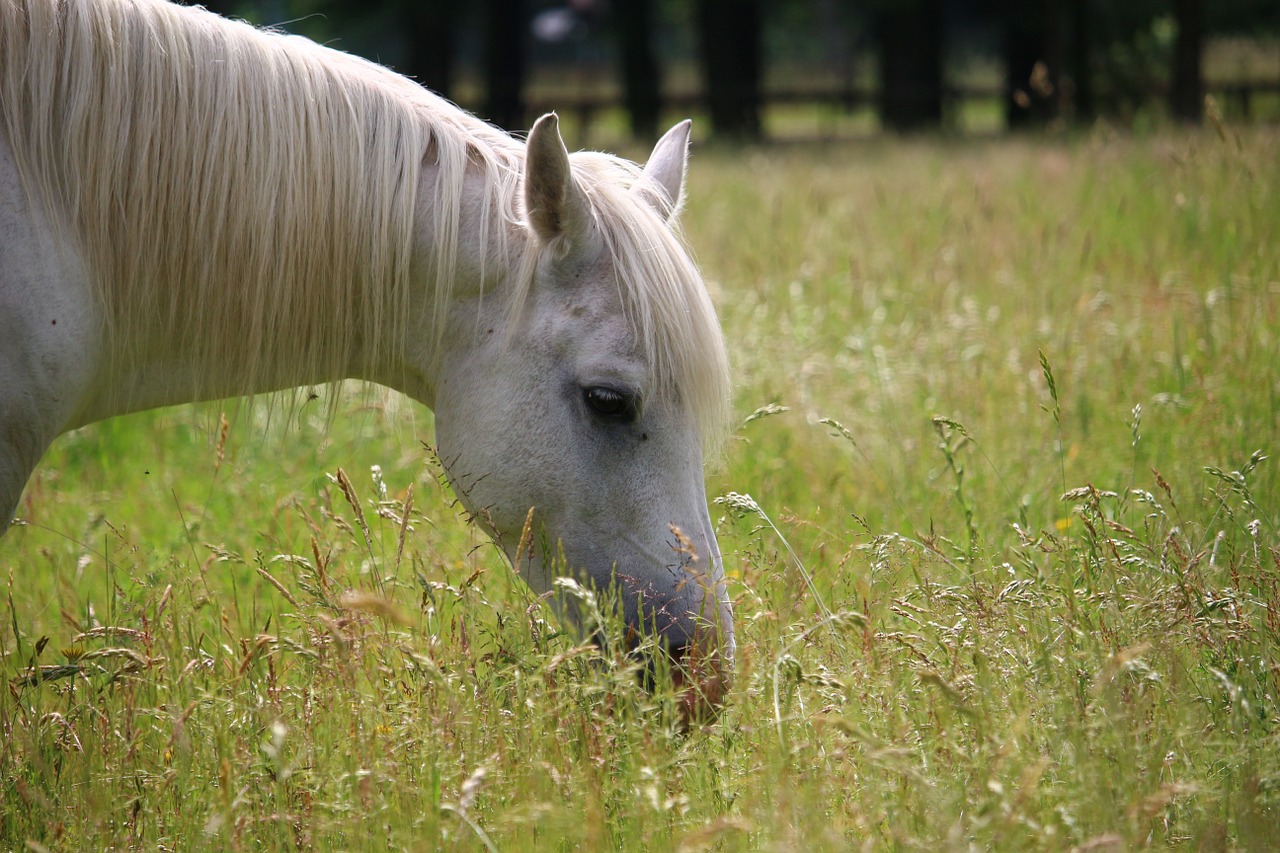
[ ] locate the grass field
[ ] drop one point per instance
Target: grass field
(1008, 403)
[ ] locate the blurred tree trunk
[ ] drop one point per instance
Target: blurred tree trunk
(641, 76)
(1033, 53)
(729, 35)
(1082, 24)
(430, 30)
(1186, 96)
(504, 63)
(909, 54)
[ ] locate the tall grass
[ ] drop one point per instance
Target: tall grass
(1000, 519)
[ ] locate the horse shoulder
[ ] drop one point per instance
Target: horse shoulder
(49, 333)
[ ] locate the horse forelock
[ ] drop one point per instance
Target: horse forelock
(252, 192)
(663, 293)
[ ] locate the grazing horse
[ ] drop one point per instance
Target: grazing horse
(192, 209)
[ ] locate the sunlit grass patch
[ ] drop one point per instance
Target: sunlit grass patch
(999, 519)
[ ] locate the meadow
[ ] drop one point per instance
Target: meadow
(1000, 513)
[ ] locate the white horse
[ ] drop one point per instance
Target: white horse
(191, 209)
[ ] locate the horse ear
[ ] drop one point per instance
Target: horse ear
(666, 167)
(553, 202)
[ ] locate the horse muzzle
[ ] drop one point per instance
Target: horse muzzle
(698, 661)
(703, 672)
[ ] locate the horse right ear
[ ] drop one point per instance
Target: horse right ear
(666, 169)
(553, 203)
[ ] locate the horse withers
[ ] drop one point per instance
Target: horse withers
(194, 209)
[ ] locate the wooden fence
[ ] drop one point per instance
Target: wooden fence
(1238, 101)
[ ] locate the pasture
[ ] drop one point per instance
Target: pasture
(999, 515)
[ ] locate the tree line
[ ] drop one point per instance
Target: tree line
(1062, 60)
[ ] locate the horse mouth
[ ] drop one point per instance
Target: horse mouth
(702, 682)
(698, 672)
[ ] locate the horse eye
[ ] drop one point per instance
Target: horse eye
(609, 403)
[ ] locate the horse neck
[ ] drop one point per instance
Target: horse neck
(469, 258)
(466, 251)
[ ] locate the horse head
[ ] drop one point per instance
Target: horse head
(572, 419)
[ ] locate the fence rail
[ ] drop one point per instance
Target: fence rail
(1238, 99)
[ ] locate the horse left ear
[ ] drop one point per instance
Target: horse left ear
(666, 168)
(553, 202)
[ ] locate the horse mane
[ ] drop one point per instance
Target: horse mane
(251, 192)
(254, 194)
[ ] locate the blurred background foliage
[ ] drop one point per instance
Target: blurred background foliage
(786, 68)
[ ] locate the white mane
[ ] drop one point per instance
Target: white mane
(254, 193)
